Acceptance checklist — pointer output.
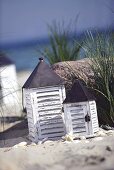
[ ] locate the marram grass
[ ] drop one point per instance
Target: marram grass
(100, 50)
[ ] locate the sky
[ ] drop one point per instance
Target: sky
(26, 20)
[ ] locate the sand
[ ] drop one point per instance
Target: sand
(94, 153)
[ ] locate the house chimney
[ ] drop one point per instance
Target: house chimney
(41, 59)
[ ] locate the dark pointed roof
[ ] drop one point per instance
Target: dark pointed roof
(4, 61)
(43, 76)
(78, 93)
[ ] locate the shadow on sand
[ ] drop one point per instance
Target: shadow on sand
(8, 138)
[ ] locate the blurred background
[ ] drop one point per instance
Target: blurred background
(24, 30)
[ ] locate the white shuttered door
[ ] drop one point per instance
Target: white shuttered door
(48, 110)
(75, 118)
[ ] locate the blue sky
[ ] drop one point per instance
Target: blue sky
(22, 20)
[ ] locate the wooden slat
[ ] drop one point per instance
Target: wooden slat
(49, 103)
(50, 121)
(58, 134)
(48, 108)
(41, 90)
(77, 112)
(81, 132)
(79, 126)
(78, 108)
(49, 118)
(53, 125)
(77, 117)
(79, 129)
(51, 93)
(52, 130)
(48, 98)
(49, 113)
(77, 123)
(73, 110)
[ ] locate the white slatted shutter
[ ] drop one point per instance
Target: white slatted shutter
(47, 104)
(94, 118)
(75, 118)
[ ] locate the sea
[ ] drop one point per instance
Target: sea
(25, 56)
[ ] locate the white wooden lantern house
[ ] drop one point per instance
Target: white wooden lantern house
(43, 95)
(80, 111)
(8, 82)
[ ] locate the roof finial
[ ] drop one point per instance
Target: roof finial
(41, 59)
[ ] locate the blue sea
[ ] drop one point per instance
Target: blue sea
(25, 57)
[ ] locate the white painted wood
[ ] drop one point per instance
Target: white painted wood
(51, 93)
(48, 98)
(52, 135)
(75, 113)
(63, 92)
(94, 118)
(30, 116)
(46, 89)
(50, 112)
(51, 126)
(44, 112)
(68, 121)
(26, 97)
(47, 103)
(48, 107)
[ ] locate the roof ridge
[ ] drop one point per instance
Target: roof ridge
(43, 76)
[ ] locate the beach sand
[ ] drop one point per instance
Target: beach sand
(90, 154)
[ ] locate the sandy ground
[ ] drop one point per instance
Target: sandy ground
(88, 154)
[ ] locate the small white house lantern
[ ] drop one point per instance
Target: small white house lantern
(80, 111)
(43, 95)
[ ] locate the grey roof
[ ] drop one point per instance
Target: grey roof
(4, 61)
(78, 93)
(43, 76)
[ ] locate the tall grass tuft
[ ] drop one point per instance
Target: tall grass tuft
(62, 45)
(100, 50)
